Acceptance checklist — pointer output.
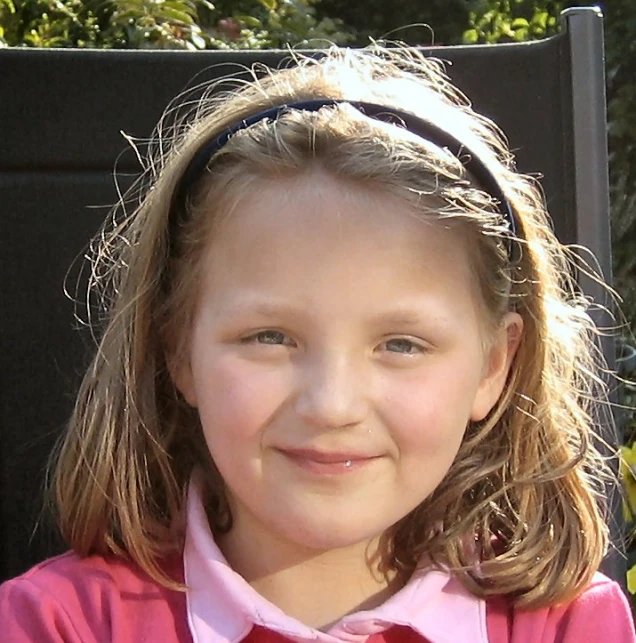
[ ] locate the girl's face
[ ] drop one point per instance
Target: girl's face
(336, 357)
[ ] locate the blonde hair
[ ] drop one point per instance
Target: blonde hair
(524, 495)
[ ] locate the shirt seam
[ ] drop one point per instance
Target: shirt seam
(483, 621)
(193, 631)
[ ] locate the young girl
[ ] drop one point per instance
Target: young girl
(344, 391)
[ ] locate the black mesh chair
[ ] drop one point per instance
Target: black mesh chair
(61, 114)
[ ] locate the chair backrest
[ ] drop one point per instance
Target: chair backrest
(61, 117)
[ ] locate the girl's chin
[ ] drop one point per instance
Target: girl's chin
(331, 537)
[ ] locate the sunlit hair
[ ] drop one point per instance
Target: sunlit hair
(520, 511)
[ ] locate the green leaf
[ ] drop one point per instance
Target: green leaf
(520, 35)
(250, 21)
(7, 4)
(176, 16)
(197, 40)
(631, 580)
(270, 5)
(470, 37)
(540, 19)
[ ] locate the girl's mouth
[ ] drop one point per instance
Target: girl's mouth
(328, 462)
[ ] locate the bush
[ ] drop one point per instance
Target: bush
(436, 22)
(170, 24)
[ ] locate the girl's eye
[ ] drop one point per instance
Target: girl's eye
(402, 346)
(270, 337)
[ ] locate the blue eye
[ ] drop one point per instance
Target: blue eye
(269, 337)
(403, 346)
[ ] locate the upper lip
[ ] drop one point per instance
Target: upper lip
(328, 457)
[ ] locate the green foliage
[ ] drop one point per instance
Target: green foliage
(512, 20)
(104, 24)
(267, 24)
(47, 23)
(165, 24)
(149, 24)
(432, 22)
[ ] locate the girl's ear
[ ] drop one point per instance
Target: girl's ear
(181, 375)
(497, 365)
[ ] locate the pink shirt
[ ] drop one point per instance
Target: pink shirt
(95, 600)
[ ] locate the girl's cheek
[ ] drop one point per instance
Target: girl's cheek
(412, 413)
(241, 397)
(425, 409)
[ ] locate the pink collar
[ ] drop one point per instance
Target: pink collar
(223, 607)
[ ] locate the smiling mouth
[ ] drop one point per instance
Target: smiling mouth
(327, 463)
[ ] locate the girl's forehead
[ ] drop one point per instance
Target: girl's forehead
(317, 201)
(321, 234)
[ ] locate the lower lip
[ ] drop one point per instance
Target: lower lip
(327, 468)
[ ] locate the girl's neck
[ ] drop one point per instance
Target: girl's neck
(315, 587)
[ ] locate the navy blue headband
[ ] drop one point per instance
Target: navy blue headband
(422, 128)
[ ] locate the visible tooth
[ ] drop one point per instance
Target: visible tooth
(348, 463)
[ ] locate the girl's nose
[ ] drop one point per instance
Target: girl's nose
(334, 393)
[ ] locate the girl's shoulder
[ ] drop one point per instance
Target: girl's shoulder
(601, 612)
(98, 598)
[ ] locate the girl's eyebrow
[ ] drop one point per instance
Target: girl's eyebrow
(429, 316)
(400, 317)
(264, 308)
(403, 316)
